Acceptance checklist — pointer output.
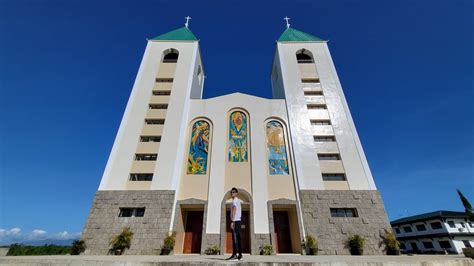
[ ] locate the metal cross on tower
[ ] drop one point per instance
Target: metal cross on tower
(287, 24)
(187, 21)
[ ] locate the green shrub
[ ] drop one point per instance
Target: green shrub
(168, 243)
(22, 250)
(311, 245)
(266, 250)
(122, 241)
(356, 244)
(212, 250)
(78, 246)
(392, 246)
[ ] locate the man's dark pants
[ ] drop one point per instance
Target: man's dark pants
(236, 243)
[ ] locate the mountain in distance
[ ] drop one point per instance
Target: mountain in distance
(57, 242)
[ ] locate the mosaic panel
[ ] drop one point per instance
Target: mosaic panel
(198, 149)
(238, 137)
(277, 158)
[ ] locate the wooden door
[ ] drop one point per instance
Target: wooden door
(244, 233)
(282, 231)
(193, 232)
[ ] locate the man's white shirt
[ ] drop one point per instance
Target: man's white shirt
(238, 209)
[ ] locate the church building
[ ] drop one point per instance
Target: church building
(296, 159)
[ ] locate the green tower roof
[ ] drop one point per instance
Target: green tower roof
(181, 34)
(293, 35)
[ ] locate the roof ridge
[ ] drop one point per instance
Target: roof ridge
(180, 34)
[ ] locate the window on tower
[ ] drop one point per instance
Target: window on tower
(171, 56)
(146, 157)
(334, 177)
(141, 177)
(317, 106)
(324, 138)
(304, 57)
(328, 156)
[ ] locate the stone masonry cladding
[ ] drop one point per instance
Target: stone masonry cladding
(333, 233)
(149, 231)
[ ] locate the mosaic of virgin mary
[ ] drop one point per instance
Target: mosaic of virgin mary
(238, 137)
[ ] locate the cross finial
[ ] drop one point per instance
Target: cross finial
(187, 21)
(287, 23)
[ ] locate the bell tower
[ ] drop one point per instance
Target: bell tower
(333, 175)
(143, 170)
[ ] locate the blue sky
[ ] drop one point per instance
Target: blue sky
(67, 69)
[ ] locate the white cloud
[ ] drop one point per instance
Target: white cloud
(15, 235)
(37, 234)
(10, 233)
(66, 235)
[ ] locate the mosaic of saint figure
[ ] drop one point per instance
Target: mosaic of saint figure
(198, 149)
(277, 158)
(238, 137)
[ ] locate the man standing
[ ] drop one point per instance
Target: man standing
(235, 217)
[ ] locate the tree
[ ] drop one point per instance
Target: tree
(467, 206)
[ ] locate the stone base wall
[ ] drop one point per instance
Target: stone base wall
(149, 231)
(333, 233)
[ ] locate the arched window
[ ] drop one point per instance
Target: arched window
(198, 148)
(171, 56)
(238, 137)
(276, 148)
(304, 57)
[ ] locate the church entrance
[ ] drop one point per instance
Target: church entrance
(244, 232)
(193, 232)
(282, 231)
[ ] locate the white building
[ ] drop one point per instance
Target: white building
(296, 159)
(434, 232)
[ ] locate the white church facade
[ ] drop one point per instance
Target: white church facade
(296, 158)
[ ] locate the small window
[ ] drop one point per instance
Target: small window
(303, 58)
(428, 244)
(334, 177)
(467, 244)
(150, 138)
(141, 177)
(436, 225)
(444, 244)
(145, 157)
(158, 106)
(463, 225)
(199, 75)
(154, 121)
(158, 93)
(316, 106)
(132, 212)
(451, 224)
(328, 156)
(420, 227)
(171, 57)
(407, 229)
(397, 230)
(168, 80)
(313, 80)
(343, 212)
(322, 122)
(313, 93)
(324, 138)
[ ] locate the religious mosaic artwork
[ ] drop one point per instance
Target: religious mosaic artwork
(238, 137)
(198, 149)
(277, 158)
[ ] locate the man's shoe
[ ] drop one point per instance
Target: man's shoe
(239, 257)
(231, 258)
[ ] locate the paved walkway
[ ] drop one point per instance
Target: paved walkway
(431, 260)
